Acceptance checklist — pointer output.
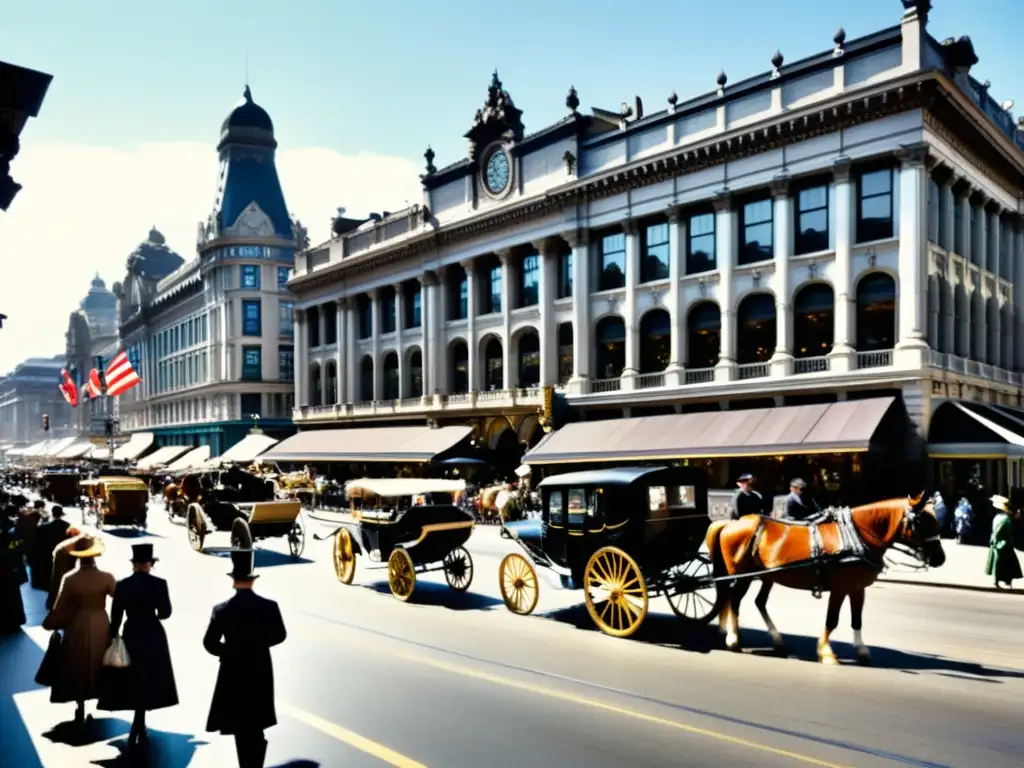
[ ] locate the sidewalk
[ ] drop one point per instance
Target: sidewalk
(964, 569)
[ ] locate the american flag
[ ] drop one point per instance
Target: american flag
(120, 375)
(68, 388)
(93, 387)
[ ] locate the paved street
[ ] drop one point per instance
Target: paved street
(456, 680)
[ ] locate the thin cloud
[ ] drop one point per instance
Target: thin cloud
(84, 209)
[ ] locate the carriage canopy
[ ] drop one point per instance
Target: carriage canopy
(401, 486)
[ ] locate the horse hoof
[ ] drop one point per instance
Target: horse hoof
(829, 659)
(864, 658)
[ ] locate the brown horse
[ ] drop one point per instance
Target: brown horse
(754, 543)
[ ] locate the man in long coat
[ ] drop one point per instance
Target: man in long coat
(27, 531)
(48, 537)
(241, 633)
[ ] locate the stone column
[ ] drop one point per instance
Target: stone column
(322, 319)
(352, 365)
(1007, 271)
(995, 341)
(579, 241)
(912, 347)
(323, 371)
(442, 314)
(979, 257)
(400, 350)
(782, 217)
(947, 211)
(675, 374)
(301, 358)
(1017, 291)
(842, 357)
(339, 355)
(725, 256)
(378, 378)
(471, 340)
(428, 303)
(508, 375)
(548, 256)
(632, 321)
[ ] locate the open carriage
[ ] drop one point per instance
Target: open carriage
(413, 525)
(237, 502)
(115, 500)
(622, 535)
(61, 487)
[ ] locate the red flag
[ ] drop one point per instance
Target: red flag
(68, 388)
(94, 388)
(120, 375)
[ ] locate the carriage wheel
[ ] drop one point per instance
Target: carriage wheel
(241, 534)
(689, 585)
(615, 592)
(344, 557)
(401, 574)
(458, 569)
(194, 524)
(297, 537)
(518, 582)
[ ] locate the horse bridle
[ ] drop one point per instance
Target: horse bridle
(911, 525)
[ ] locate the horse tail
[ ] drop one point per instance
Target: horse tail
(711, 540)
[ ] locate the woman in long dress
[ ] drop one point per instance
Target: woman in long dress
(81, 612)
(1002, 561)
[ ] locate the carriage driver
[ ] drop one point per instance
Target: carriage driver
(798, 505)
(746, 501)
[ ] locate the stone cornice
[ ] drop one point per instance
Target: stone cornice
(913, 92)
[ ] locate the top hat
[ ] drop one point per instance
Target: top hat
(746, 477)
(57, 511)
(797, 482)
(39, 504)
(243, 565)
(88, 546)
(143, 553)
(1000, 502)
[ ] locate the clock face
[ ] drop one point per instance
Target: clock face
(498, 172)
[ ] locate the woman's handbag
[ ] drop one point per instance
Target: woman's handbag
(116, 655)
(47, 674)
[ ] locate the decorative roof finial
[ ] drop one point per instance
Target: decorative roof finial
(429, 157)
(839, 38)
(247, 94)
(572, 101)
(722, 80)
(776, 63)
(673, 99)
(916, 9)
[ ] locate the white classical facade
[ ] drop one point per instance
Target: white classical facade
(845, 224)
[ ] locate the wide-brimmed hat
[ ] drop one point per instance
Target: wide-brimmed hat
(243, 565)
(88, 546)
(797, 482)
(1000, 502)
(143, 553)
(746, 477)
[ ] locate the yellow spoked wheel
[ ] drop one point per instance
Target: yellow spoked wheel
(519, 586)
(615, 592)
(401, 575)
(344, 557)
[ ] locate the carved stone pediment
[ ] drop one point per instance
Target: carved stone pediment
(252, 222)
(498, 119)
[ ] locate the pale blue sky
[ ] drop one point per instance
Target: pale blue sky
(395, 75)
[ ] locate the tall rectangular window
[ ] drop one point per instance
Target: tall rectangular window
(458, 298)
(875, 206)
(251, 404)
(529, 286)
(565, 275)
(283, 274)
(286, 363)
(365, 317)
(413, 309)
(250, 277)
(252, 363)
(204, 328)
(252, 322)
(330, 311)
(811, 220)
(286, 317)
(387, 301)
(756, 231)
(654, 254)
(700, 243)
(492, 300)
(613, 262)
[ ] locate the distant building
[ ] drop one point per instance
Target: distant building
(28, 392)
(215, 338)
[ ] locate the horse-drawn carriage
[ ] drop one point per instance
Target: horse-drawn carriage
(623, 535)
(115, 500)
(61, 487)
(242, 504)
(413, 525)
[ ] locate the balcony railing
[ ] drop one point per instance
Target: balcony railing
(881, 358)
(949, 362)
(754, 370)
(810, 364)
(411, 406)
(700, 375)
(650, 380)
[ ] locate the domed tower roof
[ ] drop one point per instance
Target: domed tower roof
(152, 259)
(248, 123)
(99, 297)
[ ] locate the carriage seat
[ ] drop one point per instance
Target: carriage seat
(379, 515)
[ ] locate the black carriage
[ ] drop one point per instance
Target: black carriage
(244, 505)
(61, 487)
(415, 526)
(622, 535)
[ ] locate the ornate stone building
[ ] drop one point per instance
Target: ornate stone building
(215, 336)
(91, 336)
(844, 227)
(28, 392)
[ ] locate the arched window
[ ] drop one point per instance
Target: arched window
(813, 320)
(755, 329)
(610, 335)
(366, 379)
(494, 367)
(315, 385)
(391, 391)
(529, 359)
(565, 352)
(655, 341)
(331, 395)
(876, 312)
(415, 373)
(459, 355)
(704, 336)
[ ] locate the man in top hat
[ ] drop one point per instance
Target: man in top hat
(798, 505)
(241, 633)
(746, 501)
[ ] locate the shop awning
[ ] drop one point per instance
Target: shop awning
(969, 430)
(247, 449)
(76, 450)
(161, 457)
(137, 444)
(368, 444)
(54, 449)
(37, 449)
(845, 427)
(194, 459)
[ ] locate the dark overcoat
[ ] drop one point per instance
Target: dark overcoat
(148, 681)
(48, 537)
(241, 633)
(12, 609)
